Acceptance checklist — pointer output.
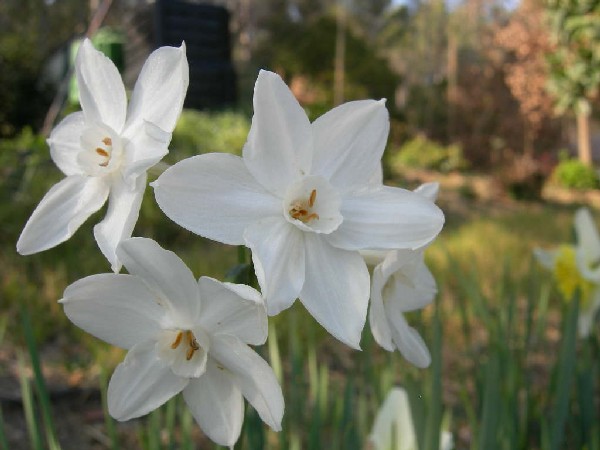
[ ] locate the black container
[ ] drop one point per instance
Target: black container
(205, 30)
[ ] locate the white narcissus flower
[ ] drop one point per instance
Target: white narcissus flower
(578, 267)
(182, 335)
(401, 283)
(105, 149)
(394, 427)
(304, 200)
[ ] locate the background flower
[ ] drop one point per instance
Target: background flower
(401, 282)
(394, 429)
(577, 268)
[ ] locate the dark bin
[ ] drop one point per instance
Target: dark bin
(205, 30)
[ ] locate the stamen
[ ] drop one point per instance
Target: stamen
(192, 342)
(301, 210)
(102, 152)
(177, 340)
(107, 141)
(190, 353)
(313, 197)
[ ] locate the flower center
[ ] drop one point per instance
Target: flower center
(313, 205)
(568, 277)
(302, 210)
(184, 350)
(104, 151)
(101, 150)
(190, 342)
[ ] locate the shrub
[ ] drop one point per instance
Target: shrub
(523, 176)
(573, 174)
(423, 153)
(26, 174)
(204, 132)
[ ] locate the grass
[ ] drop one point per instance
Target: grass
(507, 370)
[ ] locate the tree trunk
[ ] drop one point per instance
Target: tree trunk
(584, 148)
(452, 89)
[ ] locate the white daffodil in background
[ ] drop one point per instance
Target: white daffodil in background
(105, 149)
(182, 335)
(394, 427)
(401, 283)
(303, 199)
(578, 267)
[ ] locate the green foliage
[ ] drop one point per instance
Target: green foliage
(30, 32)
(575, 64)
(26, 174)
(423, 153)
(203, 132)
(573, 174)
(308, 49)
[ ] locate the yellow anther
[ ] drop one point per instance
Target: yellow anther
(190, 353)
(301, 210)
(192, 342)
(177, 340)
(104, 154)
(313, 197)
(107, 141)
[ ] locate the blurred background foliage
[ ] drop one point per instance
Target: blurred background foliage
(501, 80)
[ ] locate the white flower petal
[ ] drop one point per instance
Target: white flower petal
(215, 196)
(387, 218)
(394, 427)
(376, 178)
(587, 234)
(119, 309)
(165, 273)
(233, 309)
(101, 90)
(588, 245)
(429, 190)
(123, 211)
(378, 319)
(65, 143)
(141, 383)
(336, 289)
(254, 377)
(147, 145)
(587, 316)
(408, 341)
(61, 212)
(546, 258)
(446, 440)
(160, 89)
(349, 142)
(279, 147)
(217, 404)
(406, 280)
(278, 255)
(373, 257)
